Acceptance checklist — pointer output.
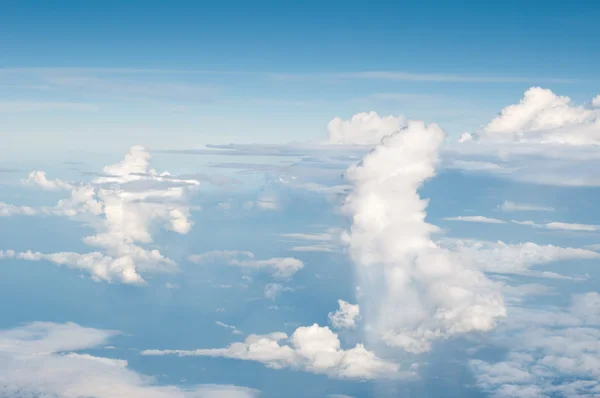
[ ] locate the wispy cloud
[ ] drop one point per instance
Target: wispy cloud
(29, 106)
(509, 206)
(389, 75)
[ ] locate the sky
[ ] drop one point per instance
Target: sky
(299, 199)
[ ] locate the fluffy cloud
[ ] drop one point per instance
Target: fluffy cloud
(38, 178)
(39, 359)
(312, 349)
(123, 205)
(546, 117)
(413, 291)
(365, 128)
(503, 258)
(281, 267)
(552, 353)
(544, 139)
(346, 316)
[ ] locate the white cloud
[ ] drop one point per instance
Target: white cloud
(123, 206)
(509, 206)
(365, 128)
(39, 178)
(413, 291)
(551, 353)
(503, 258)
(282, 267)
(545, 117)
(477, 166)
(346, 316)
(233, 329)
(478, 219)
(39, 359)
(571, 227)
(328, 241)
(552, 225)
(273, 290)
(560, 226)
(325, 248)
(544, 139)
(7, 210)
(312, 349)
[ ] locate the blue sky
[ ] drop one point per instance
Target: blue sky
(299, 199)
(275, 71)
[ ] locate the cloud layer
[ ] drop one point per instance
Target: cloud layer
(41, 359)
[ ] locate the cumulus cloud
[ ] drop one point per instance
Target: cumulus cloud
(312, 349)
(346, 316)
(502, 258)
(479, 219)
(365, 128)
(38, 178)
(413, 291)
(123, 205)
(282, 267)
(41, 359)
(546, 117)
(7, 210)
(552, 353)
(544, 139)
(508, 206)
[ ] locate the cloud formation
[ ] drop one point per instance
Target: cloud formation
(545, 117)
(508, 206)
(312, 349)
(502, 258)
(544, 139)
(281, 267)
(367, 128)
(273, 290)
(413, 291)
(43, 359)
(123, 205)
(479, 219)
(551, 353)
(346, 316)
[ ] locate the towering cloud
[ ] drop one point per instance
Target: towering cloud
(413, 290)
